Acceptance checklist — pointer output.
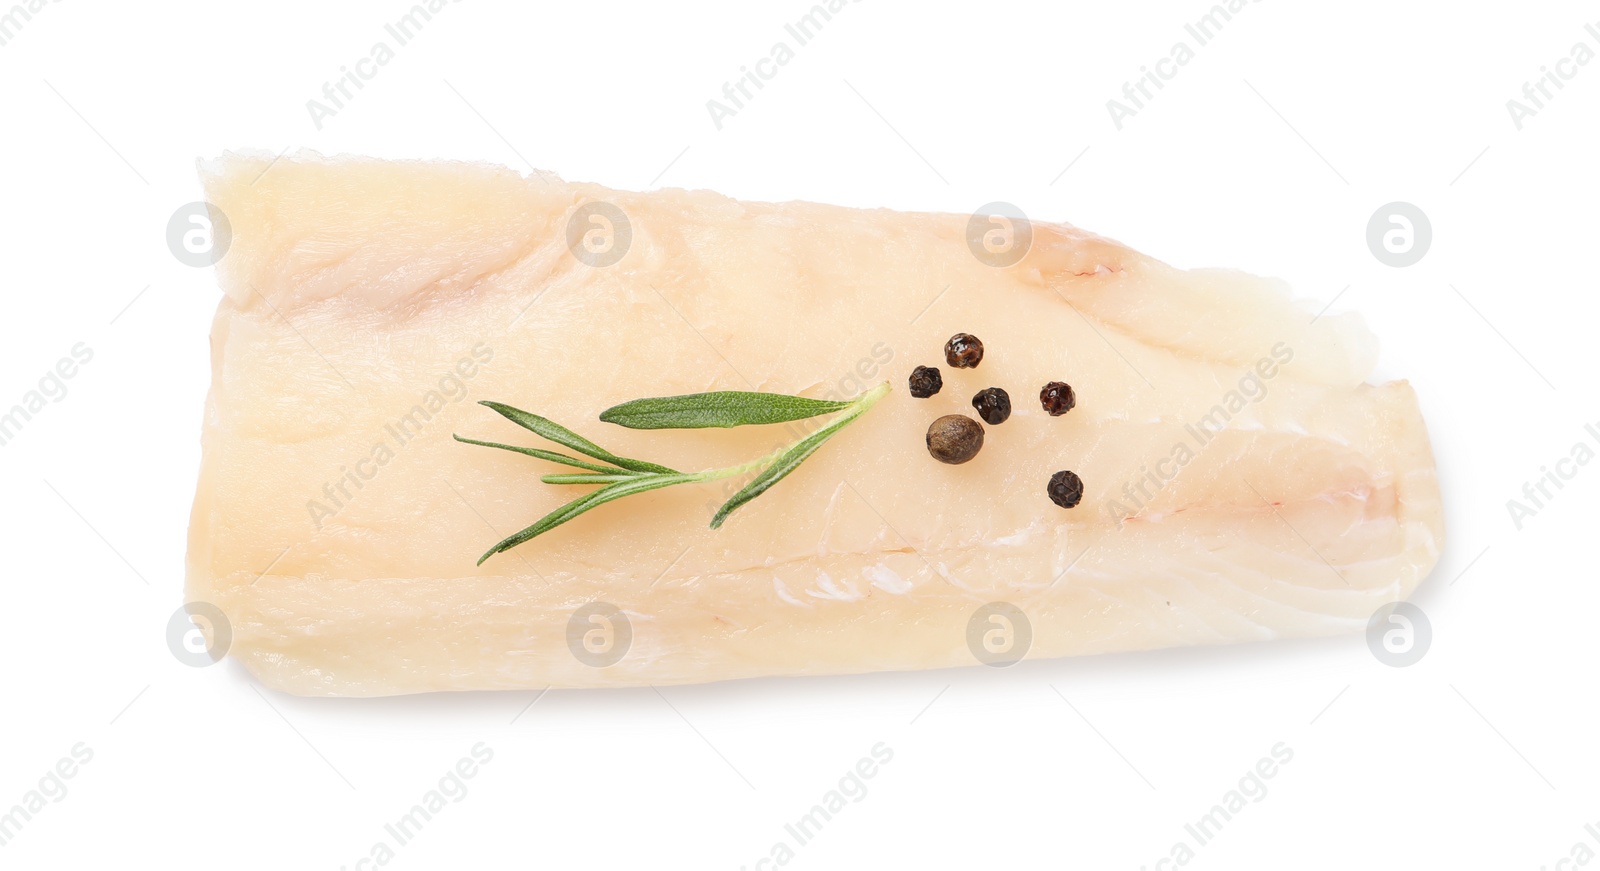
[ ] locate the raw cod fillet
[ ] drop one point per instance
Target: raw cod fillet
(1241, 481)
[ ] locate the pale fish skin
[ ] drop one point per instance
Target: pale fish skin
(369, 304)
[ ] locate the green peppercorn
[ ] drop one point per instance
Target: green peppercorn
(1065, 489)
(993, 405)
(963, 351)
(925, 382)
(954, 439)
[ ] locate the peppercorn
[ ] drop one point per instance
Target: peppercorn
(993, 405)
(925, 381)
(954, 439)
(1065, 489)
(963, 351)
(1057, 398)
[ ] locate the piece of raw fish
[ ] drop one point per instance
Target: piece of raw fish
(1241, 481)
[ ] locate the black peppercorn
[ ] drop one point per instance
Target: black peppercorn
(1065, 489)
(925, 381)
(954, 439)
(993, 405)
(1057, 398)
(963, 351)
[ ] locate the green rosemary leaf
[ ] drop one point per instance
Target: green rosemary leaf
(562, 436)
(587, 479)
(795, 455)
(585, 502)
(552, 456)
(722, 408)
(774, 473)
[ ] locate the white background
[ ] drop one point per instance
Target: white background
(1268, 152)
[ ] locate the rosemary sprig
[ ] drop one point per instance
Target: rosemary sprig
(624, 476)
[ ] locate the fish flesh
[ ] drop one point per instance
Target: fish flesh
(1241, 480)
